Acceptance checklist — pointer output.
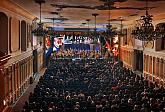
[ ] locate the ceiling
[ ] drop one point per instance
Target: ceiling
(76, 16)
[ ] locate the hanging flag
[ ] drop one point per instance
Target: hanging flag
(108, 46)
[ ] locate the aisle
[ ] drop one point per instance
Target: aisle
(20, 103)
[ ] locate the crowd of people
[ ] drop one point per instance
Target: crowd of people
(91, 85)
(69, 53)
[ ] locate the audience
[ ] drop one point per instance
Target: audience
(69, 53)
(93, 86)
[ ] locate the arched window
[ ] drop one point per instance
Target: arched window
(3, 34)
(163, 38)
(23, 36)
(162, 28)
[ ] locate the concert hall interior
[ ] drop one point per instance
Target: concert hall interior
(82, 56)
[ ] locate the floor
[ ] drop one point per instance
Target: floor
(20, 103)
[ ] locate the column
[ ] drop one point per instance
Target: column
(25, 73)
(161, 71)
(21, 75)
(148, 64)
(28, 66)
(10, 84)
(17, 80)
(144, 63)
(134, 60)
(31, 65)
(5, 81)
(153, 67)
(131, 60)
(14, 82)
(7, 84)
(161, 68)
(123, 56)
(164, 70)
(157, 68)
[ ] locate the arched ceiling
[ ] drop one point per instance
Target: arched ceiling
(77, 11)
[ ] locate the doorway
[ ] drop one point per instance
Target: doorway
(138, 60)
(35, 62)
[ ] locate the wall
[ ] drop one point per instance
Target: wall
(127, 56)
(126, 48)
(15, 73)
(154, 66)
(16, 78)
(14, 34)
(153, 57)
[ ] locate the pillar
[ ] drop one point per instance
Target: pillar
(19, 78)
(2, 88)
(161, 68)
(7, 85)
(157, 67)
(144, 62)
(17, 81)
(157, 70)
(153, 67)
(164, 71)
(150, 65)
(21, 75)
(10, 84)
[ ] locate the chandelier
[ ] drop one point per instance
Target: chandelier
(88, 20)
(109, 32)
(51, 30)
(39, 31)
(146, 31)
(95, 15)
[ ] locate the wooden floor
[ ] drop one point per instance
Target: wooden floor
(20, 103)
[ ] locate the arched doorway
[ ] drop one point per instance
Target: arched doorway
(23, 36)
(138, 60)
(161, 26)
(3, 34)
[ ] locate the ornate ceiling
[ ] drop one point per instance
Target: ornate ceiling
(75, 12)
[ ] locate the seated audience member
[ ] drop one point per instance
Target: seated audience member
(93, 85)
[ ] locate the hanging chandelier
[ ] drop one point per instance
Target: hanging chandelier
(109, 32)
(146, 31)
(95, 15)
(88, 20)
(39, 31)
(51, 30)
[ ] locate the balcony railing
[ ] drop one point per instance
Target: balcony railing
(4, 59)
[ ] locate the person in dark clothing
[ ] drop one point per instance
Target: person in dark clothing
(93, 85)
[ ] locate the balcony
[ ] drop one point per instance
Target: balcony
(4, 58)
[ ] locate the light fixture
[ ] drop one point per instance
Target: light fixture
(95, 15)
(109, 32)
(83, 24)
(88, 20)
(146, 31)
(39, 31)
(51, 32)
(121, 26)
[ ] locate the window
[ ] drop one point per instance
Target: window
(3, 34)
